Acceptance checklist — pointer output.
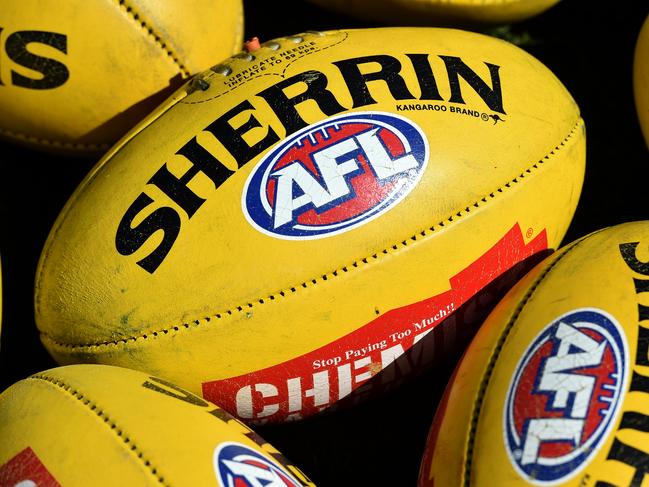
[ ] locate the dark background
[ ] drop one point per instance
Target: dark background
(588, 45)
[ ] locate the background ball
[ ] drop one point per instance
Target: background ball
(553, 388)
(103, 425)
(74, 77)
(641, 79)
(438, 12)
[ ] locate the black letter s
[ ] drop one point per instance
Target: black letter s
(54, 72)
(129, 239)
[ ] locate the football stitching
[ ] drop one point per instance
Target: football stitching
(212, 74)
(473, 425)
(105, 418)
(131, 12)
(55, 143)
(479, 3)
(324, 277)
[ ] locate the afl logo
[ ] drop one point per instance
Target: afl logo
(237, 465)
(565, 395)
(335, 175)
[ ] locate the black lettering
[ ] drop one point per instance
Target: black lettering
(635, 421)
(639, 383)
(205, 162)
(633, 457)
(174, 391)
(221, 415)
(425, 76)
(628, 252)
(285, 107)
(257, 439)
(641, 285)
(642, 352)
(456, 68)
(176, 188)
(637, 459)
(357, 81)
(643, 312)
(232, 139)
(129, 239)
(54, 72)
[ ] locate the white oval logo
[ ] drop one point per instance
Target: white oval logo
(335, 175)
(565, 395)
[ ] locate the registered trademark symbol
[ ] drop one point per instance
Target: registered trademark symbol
(485, 117)
(517, 454)
(529, 232)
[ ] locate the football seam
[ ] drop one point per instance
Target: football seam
(52, 142)
(211, 74)
(479, 3)
(135, 16)
(132, 447)
(484, 383)
(145, 335)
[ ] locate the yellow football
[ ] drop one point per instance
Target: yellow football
(438, 12)
(641, 78)
(103, 425)
(76, 76)
(553, 388)
(291, 222)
